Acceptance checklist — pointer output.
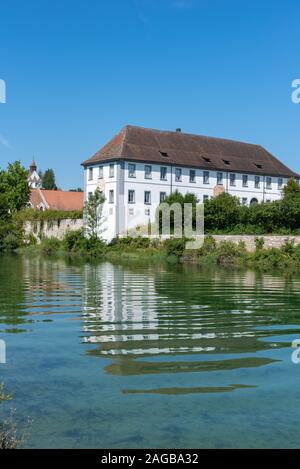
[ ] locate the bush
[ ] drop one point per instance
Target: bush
(175, 246)
(11, 236)
(229, 253)
(74, 241)
(208, 247)
(129, 242)
(222, 212)
(259, 243)
(50, 246)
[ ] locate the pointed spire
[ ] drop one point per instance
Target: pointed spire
(32, 167)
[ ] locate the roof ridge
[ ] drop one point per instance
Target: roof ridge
(191, 135)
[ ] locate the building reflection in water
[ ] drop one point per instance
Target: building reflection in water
(182, 320)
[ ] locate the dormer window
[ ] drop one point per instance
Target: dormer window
(207, 160)
(164, 154)
(226, 162)
(258, 165)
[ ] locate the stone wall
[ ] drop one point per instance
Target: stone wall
(270, 241)
(52, 228)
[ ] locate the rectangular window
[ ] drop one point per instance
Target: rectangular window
(280, 183)
(162, 196)
(192, 175)
(131, 196)
(219, 178)
(111, 197)
(90, 174)
(205, 197)
(163, 173)
(244, 201)
(257, 182)
(111, 170)
(178, 173)
(131, 170)
(147, 197)
(268, 201)
(90, 195)
(148, 171)
(269, 182)
(100, 174)
(232, 178)
(206, 177)
(245, 180)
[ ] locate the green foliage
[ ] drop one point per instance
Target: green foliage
(14, 186)
(30, 214)
(229, 253)
(50, 246)
(222, 212)
(259, 243)
(209, 246)
(93, 214)
(175, 246)
(178, 198)
(129, 243)
(48, 180)
(291, 188)
(11, 236)
(76, 243)
(4, 208)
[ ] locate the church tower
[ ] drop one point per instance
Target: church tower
(34, 179)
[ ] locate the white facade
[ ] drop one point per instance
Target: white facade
(133, 190)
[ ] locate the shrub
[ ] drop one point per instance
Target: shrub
(259, 243)
(209, 246)
(229, 253)
(175, 246)
(74, 241)
(288, 247)
(129, 242)
(222, 212)
(11, 236)
(50, 246)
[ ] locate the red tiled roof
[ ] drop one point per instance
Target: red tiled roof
(165, 147)
(57, 200)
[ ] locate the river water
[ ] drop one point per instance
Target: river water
(129, 356)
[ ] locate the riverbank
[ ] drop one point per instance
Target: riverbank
(231, 252)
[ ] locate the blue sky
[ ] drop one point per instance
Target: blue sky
(77, 71)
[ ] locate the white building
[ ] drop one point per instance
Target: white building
(139, 167)
(34, 180)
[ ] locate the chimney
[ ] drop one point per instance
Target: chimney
(178, 130)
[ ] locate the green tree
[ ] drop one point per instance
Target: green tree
(221, 212)
(14, 184)
(4, 211)
(178, 198)
(291, 188)
(93, 214)
(48, 180)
